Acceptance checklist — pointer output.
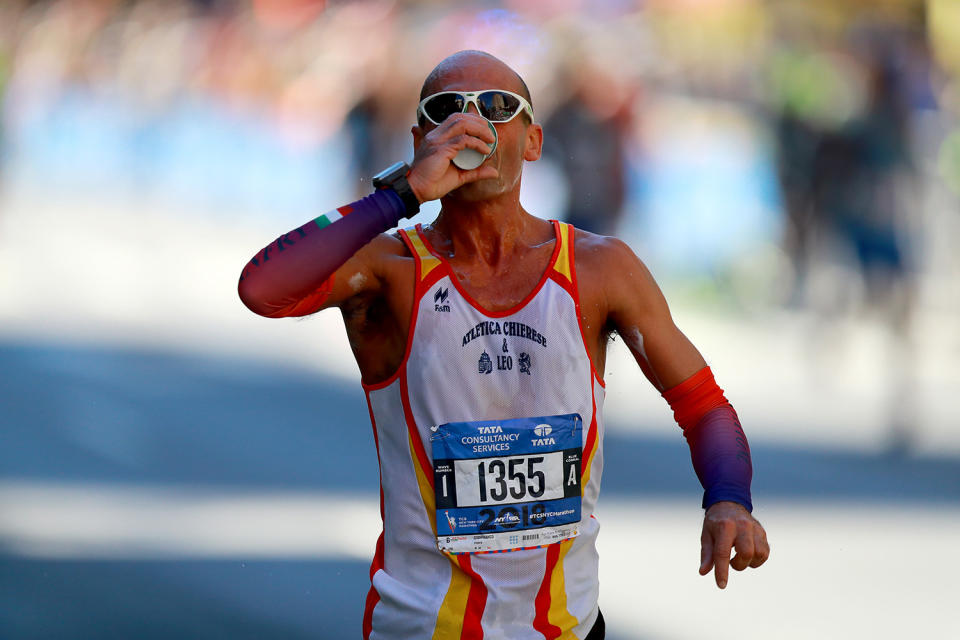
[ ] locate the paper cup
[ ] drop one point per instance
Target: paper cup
(468, 159)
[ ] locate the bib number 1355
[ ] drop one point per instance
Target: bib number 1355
(507, 480)
(523, 479)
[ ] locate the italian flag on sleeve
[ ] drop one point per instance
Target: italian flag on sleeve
(332, 216)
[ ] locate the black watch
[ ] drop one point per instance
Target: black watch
(395, 177)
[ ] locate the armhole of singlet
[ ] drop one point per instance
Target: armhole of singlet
(565, 274)
(415, 247)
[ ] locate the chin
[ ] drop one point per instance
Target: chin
(479, 191)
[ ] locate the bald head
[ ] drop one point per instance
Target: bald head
(471, 70)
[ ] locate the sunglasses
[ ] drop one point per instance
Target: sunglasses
(493, 104)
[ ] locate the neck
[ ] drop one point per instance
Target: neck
(486, 231)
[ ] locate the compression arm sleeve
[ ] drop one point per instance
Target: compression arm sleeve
(718, 446)
(293, 275)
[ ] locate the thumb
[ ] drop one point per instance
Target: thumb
(706, 552)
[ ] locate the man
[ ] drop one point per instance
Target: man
(481, 344)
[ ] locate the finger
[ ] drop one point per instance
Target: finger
(706, 551)
(464, 123)
(476, 143)
(468, 142)
(745, 548)
(723, 543)
(762, 547)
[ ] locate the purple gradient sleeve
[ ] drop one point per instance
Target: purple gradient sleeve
(299, 262)
(721, 457)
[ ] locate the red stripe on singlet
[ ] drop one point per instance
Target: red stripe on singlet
(476, 602)
(591, 441)
(418, 449)
(541, 621)
(373, 597)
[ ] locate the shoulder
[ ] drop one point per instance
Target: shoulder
(385, 267)
(380, 261)
(608, 269)
(603, 255)
(387, 247)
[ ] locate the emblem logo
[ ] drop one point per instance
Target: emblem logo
(524, 363)
(485, 365)
(543, 430)
(450, 521)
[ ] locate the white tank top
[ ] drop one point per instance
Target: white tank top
(489, 438)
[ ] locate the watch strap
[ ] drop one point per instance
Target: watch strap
(395, 177)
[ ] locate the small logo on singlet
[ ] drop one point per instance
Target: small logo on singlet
(440, 300)
(450, 521)
(524, 363)
(485, 365)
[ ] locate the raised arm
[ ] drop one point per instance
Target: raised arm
(297, 274)
(637, 310)
(335, 257)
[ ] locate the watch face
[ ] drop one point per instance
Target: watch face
(391, 173)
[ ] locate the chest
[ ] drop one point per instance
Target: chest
(505, 286)
(508, 289)
(471, 361)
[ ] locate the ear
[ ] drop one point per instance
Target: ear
(534, 143)
(418, 134)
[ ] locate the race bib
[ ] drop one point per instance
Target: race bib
(503, 485)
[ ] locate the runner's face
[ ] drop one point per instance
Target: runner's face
(517, 140)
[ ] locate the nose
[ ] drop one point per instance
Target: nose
(472, 105)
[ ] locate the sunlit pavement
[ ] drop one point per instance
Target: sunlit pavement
(175, 467)
(839, 571)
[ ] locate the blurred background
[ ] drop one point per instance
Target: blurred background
(173, 466)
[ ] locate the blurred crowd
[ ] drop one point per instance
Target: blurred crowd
(758, 154)
(802, 124)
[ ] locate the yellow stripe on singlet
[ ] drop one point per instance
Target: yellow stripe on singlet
(426, 491)
(428, 261)
(562, 265)
(588, 463)
(558, 614)
(451, 614)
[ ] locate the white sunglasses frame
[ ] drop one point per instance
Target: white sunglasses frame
(471, 98)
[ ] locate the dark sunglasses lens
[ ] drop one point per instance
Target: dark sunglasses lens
(439, 108)
(497, 106)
